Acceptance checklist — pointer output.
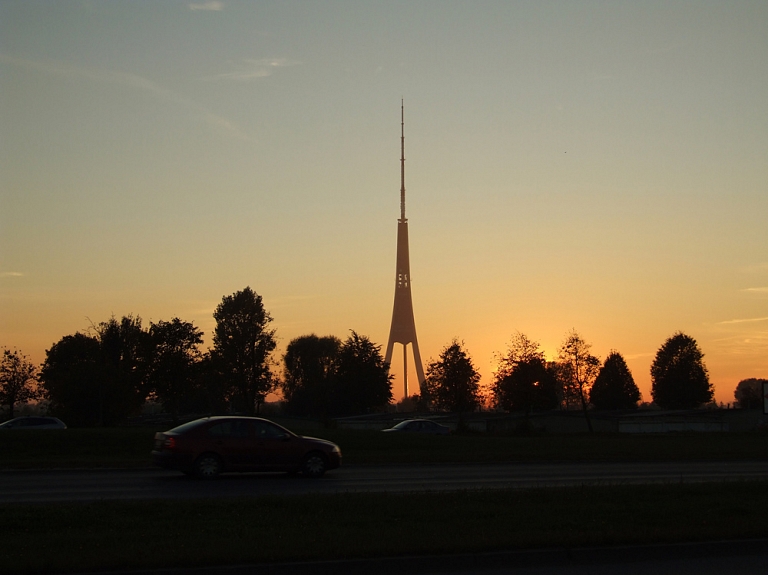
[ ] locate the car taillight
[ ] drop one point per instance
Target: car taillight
(169, 443)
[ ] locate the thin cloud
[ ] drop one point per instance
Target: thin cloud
(207, 6)
(252, 69)
(11, 274)
(129, 80)
(750, 346)
(225, 126)
(63, 69)
(749, 320)
(756, 290)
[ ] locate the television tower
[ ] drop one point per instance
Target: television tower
(403, 329)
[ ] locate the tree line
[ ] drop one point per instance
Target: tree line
(106, 375)
(576, 379)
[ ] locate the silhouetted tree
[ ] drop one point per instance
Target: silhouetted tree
(362, 383)
(679, 377)
(99, 379)
(310, 364)
(324, 377)
(242, 348)
(126, 351)
(452, 382)
(749, 392)
(577, 369)
(73, 380)
(173, 374)
(523, 381)
(410, 404)
(18, 380)
(212, 387)
(531, 385)
(614, 387)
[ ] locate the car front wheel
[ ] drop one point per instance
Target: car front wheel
(314, 465)
(208, 466)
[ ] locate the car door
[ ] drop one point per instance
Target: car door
(233, 439)
(274, 446)
(432, 427)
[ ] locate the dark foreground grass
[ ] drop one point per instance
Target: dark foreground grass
(371, 447)
(106, 447)
(111, 535)
(130, 447)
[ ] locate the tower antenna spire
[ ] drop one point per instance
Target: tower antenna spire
(402, 162)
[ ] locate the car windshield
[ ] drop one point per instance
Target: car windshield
(18, 422)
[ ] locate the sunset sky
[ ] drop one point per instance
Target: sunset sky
(593, 165)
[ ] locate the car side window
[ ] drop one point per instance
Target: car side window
(266, 430)
(274, 431)
(219, 430)
(233, 428)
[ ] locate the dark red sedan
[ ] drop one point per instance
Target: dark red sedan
(212, 445)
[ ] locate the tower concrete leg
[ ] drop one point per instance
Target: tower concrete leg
(405, 370)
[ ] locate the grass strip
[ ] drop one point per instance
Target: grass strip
(130, 447)
(155, 534)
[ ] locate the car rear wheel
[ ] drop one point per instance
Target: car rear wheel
(208, 466)
(314, 465)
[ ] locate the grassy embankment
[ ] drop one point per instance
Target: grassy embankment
(129, 447)
(111, 535)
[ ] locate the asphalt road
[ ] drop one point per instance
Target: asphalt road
(88, 485)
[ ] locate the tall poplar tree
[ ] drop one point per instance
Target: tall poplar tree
(242, 348)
